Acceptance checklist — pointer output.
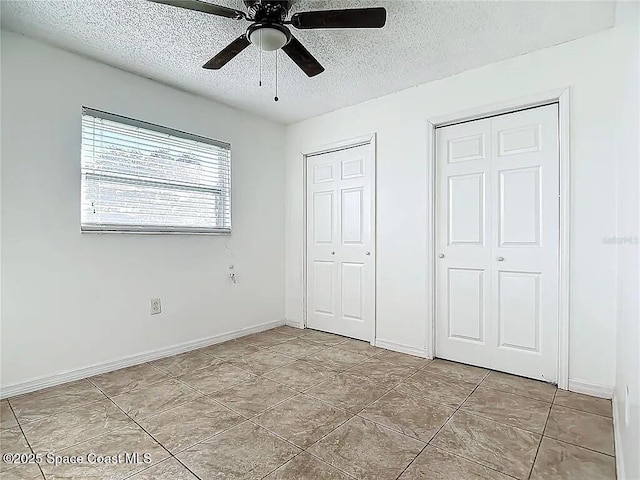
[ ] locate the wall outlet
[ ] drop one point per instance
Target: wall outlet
(156, 308)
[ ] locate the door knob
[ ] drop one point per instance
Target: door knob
(500, 259)
(333, 253)
(368, 252)
(441, 255)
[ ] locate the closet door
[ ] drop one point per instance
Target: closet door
(463, 221)
(497, 242)
(340, 241)
(525, 239)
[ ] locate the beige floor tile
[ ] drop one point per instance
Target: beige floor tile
(323, 338)
(7, 418)
(291, 331)
(436, 388)
(169, 469)
(188, 424)
(301, 374)
(231, 350)
(520, 386)
(262, 361)
(367, 450)
(217, 377)
(244, 340)
(266, 339)
(402, 359)
(562, 461)
(408, 414)
(126, 379)
(302, 420)
(457, 371)
(253, 396)
(243, 452)
(586, 403)
(507, 449)
(130, 439)
(376, 371)
(516, 410)
(581, 428)
(347, 392)
(23, 472)
(307, 467)
(336, 359)
(297, 348)
(358, 346)
(12, 441)
(185, 362)
(155, 398)
(65, 429)
(32, 406)
(435, 464)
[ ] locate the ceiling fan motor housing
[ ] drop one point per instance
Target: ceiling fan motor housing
(268, 11)
(268, 32)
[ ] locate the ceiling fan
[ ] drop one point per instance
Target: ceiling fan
(268, 30)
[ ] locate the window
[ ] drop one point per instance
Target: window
(140, 177)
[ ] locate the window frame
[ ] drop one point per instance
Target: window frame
(165, 229)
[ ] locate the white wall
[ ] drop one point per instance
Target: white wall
(587, 65)
(72, 300)
(628, 225)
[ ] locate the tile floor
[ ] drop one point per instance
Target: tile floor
(301, 404)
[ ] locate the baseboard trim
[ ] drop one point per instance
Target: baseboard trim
(617, 441)
(399, 347)
(128, 361)
(593, 389)
(293, 323)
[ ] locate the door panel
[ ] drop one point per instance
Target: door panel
(352, 291)
(340, 233)
(497, 182)
(466, 209)
(352, 213)
(466, 297)
(323, 274)
(519, 310)
(519, 213)
(465, 148)
(524, 139)
(323, 215)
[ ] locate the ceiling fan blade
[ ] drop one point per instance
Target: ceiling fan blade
(301, 56)
(353, 18)
(228, 53)
(204, 7)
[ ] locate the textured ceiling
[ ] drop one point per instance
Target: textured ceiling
(422, 41)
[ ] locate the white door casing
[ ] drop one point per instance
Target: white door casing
(497, 224)
(340, 242)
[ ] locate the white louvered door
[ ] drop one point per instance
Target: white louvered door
(340, 242)
(497, 242)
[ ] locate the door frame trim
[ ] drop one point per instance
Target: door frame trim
(561, 97)
(367, 139)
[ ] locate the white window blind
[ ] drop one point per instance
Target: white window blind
(140, 177)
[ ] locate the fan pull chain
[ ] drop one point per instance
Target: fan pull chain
(260, 81)
(276, 97)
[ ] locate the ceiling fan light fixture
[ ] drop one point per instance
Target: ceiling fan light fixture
(268, 37)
